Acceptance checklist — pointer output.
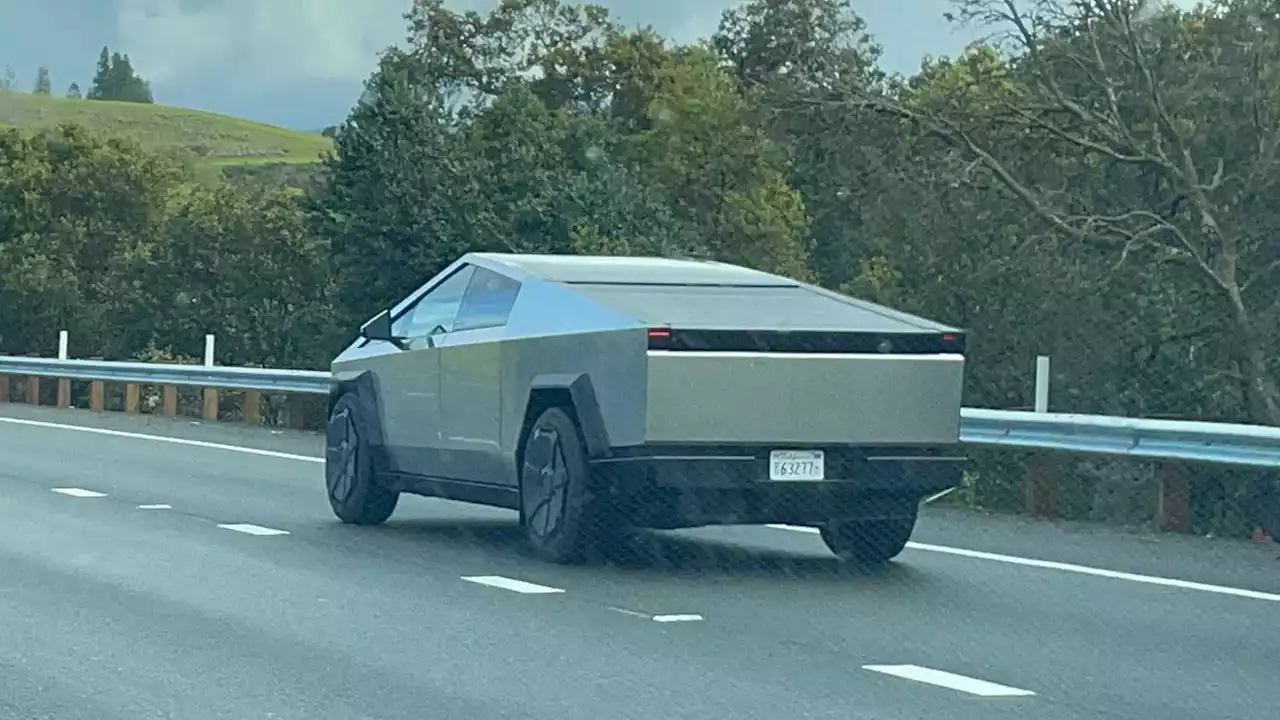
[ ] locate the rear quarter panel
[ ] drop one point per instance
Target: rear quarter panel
(552, 331)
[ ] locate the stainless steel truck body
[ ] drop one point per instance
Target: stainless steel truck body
(688, 393)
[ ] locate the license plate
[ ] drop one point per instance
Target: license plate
(797, 465)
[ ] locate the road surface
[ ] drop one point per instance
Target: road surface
(206, 578)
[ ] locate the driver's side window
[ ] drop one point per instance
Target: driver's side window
(436, 309)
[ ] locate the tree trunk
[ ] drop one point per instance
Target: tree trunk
(1261, 394)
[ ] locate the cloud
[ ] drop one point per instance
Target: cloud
(263, 42)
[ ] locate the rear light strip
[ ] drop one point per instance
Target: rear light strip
(673, 339)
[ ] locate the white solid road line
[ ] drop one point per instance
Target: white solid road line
(248, 529)
(961, 552)
(163, 439)
(964, 684)
(1078, 569)
(505, 583)
(79, 492)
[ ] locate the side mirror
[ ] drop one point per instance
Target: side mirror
(379, 328)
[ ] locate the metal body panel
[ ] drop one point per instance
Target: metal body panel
(409, 404)
(613, 360)
(803, 399)
(471, 411)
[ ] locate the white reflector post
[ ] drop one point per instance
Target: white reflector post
(1042, 384)
(208, 350)
(62, 344)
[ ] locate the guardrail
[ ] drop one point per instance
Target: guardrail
(1222, 443)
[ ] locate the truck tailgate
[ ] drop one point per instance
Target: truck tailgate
(804, 398)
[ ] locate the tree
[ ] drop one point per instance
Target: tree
(116, 80)
(246, 263)
(796, 60)
(43, 85)
(75, 251)
(395, 204)
(1164, 123)
(8, 81)
(720, 170)
(73, 91)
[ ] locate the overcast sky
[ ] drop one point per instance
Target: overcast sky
(300, 62)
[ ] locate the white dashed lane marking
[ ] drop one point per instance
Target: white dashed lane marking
(690, 617)
(941, 678)
(248, 529)
(155, 507)
(505, 583)
(79, 492)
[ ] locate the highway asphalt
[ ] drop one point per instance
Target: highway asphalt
(142, 578)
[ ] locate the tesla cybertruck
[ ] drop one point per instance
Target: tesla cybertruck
(597, 394)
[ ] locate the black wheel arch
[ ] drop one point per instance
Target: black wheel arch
(576, 393)
(363, 388)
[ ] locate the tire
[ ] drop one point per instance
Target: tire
(870, 542)
(354, 491)
(557, 510)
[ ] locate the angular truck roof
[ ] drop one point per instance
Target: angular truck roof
(704, 294)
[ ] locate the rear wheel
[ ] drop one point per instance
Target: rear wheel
(355, 494)
(868, 541)
(558, 510)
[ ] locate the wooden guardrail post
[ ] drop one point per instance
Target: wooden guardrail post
(64, 393)
(64, 384)
(1040, 488)
(33, 385)
(4, 386)
(297, 412)
(169, 400)
(251, 407)
(209, 406)
(132, 398)
(1173, 501)
(97, 393)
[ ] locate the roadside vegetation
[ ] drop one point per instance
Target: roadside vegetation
(1093, 184)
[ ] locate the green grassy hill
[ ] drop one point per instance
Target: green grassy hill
(215, 139)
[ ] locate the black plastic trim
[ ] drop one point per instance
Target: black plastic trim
(807, 341)
(583, 394)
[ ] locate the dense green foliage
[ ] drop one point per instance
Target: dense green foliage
(1093, 187)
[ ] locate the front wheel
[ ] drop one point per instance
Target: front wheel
(355, 494)
(868, 541)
